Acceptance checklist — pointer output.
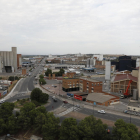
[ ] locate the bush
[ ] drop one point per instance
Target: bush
(16, 78)
(42, 81)
(11, 78)
(0, 78)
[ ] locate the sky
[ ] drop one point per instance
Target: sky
(70, 26)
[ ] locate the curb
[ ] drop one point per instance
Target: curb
(12, 89)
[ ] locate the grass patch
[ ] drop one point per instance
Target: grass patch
(20, 103)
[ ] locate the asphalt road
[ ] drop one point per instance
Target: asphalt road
(27, 84)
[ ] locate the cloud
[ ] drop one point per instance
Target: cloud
(86, 26)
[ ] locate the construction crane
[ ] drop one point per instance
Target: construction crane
(126, 94)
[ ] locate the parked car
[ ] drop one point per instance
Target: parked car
(65, 102)
(101, 111)
(2, 101)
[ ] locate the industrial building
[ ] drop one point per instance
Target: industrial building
(124, 63)
(120, 82)
(10, 60)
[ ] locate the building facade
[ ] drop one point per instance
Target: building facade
(9, 60)
(90, 85)
(70, 84)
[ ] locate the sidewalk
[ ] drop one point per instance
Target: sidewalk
(88, 106)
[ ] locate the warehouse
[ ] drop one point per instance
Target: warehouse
(101, 98)
(119, 83)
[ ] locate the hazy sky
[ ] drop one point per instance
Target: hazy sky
(70, 26)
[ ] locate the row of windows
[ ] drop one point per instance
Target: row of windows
(95, 84)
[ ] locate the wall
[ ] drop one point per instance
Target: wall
(23, 71)
(70, 84)
(91, 86)
(121, 86)
(19, 62)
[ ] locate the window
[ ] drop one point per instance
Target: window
(95, 84)
(87, 83)
(92, 84)
(98, 84)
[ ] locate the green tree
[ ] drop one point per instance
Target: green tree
(41, 76)
(35, 94)
(3, 126)
(62, 71)
(92, 129)
(50, 130)
(6, 110)
(125, 131)
(42, 81)
(49, 71)
(12, 125)
(27, 115)
(43, 98)
(69, 130)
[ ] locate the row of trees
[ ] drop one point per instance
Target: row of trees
(49, 126)
(60, 73)
(41, 80)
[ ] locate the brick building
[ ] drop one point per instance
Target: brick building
(89, 85)
(119, 83)
(102, 98)
(70, 84)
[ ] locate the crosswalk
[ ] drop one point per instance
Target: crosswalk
(68, 111)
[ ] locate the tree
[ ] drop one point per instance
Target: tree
(27, 115)
(12, 125)
(43, 98)
(42, 81)
(6, 110)
(69, 130)
(3, 126)
(50, 130)
(35, 94)
(62, 71)
(41, 76)
(49, 71)
(92, 129)
(125, 131)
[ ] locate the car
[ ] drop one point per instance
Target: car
(101, 111)
(77, 106)
(55, 100)
(53, 97)
(65, 102)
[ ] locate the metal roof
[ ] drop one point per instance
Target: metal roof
(99, 97)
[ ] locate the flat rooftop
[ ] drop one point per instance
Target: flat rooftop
(99, 97)
(90, 79)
